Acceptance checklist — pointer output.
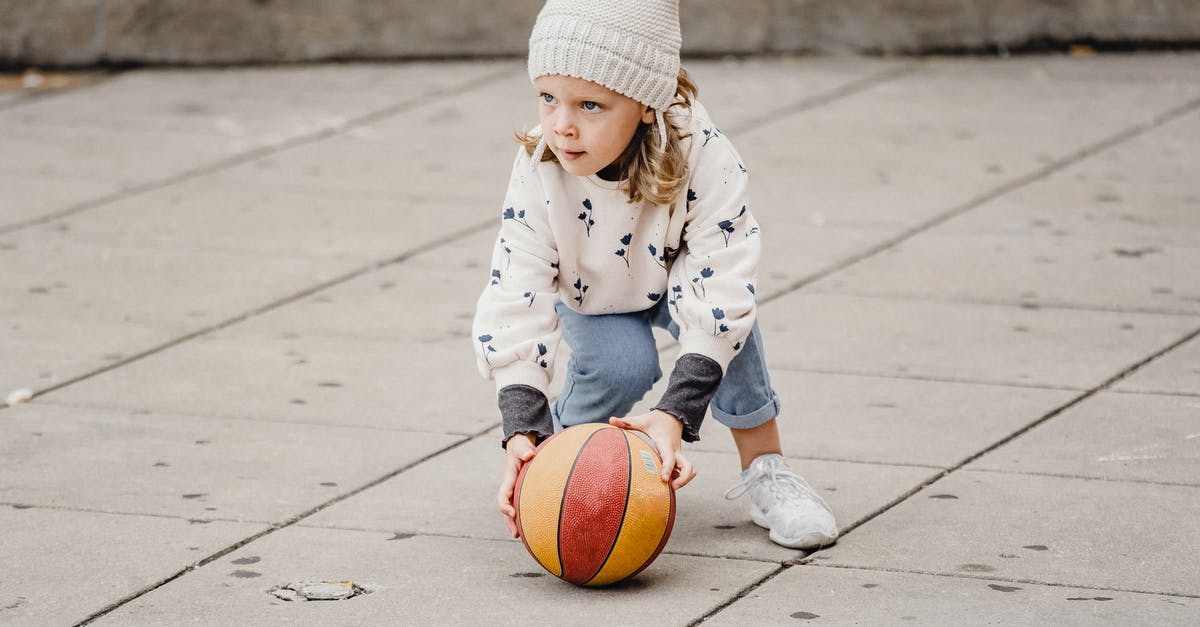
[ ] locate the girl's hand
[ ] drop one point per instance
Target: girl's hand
(518, 450)
(666, 431)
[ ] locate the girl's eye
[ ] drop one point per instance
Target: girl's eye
(547, 98)
(591, 106)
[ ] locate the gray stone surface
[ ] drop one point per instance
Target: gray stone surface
(53, 282)
(963, 342)
(1019, 268)
(61, 566)
(893, 420)
(430, 580)
(354, 380)
(226, 31)
(1111, 436)
(874, 597)
(854, 166)
(192, 466)
(1065, 531)
(309, 379)
(418, 501)
(1176, 372)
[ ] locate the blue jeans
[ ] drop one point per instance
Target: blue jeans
(614, 362)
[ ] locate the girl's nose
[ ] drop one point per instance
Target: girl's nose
(564, 123)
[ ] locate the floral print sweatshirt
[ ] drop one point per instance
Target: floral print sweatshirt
(579, 240)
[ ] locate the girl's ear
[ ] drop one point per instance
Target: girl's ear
(648, 115)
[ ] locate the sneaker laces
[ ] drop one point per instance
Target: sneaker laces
(779, 479)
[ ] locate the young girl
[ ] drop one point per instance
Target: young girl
(627, 208)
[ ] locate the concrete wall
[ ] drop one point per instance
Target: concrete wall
(81, 32)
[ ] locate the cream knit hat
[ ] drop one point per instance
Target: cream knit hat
(628, 46)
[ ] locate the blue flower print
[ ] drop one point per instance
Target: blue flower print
(531, 296)
(586, 216)
(653, 296)
(621, 253)
(718, 314)
(726, 226)
(710, 133)
(750, 286)
(705, 273)
(542, 355)
(487, 348)
(676, 296)
(743, 169)
(661, 260)
(582, 289)
(495, 277)
(691, 197)
(517, 216)
(737, 346)
(507, 253)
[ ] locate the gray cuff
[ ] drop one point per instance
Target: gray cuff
(525, 410)
(693, 383)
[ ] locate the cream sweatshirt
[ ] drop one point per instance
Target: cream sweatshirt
(579, 240)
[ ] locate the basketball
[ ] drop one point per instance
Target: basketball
(591, 504)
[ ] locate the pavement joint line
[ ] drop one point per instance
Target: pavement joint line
(1064, 475)
(1034, 305)
(837, 93)
(92, 510)
(1032, 582)
(739, 595)
(818, 458)
(458, 536)
(1156, 393)
(262, 309)
(931, 378)
(254, 154)
(247, 418)
(1045, 171)
(273, 528)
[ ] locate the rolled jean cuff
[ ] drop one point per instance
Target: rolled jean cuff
(524, 409)
(750, 420)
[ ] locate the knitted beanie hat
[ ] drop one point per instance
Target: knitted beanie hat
(628, 46)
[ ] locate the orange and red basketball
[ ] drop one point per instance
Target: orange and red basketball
(592, 506)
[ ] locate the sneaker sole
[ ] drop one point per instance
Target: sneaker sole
(803, 543)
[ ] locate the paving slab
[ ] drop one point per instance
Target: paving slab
(706, 523)
(861, 169)
(793, 253)
(442, 145)
(61, 566)
(29, 196)
(734, 93)
(1052, 271)
(120, 301)
(1056, 530)
(311, 379)
(870, 597)
(256, 105)
(893, 420)
(1176, 372)
(1137, 195)
(962, 342)
(213, 213)
(1139, 437)
(191, 466)
(428, 580)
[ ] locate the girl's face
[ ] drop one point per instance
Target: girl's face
(587, 126)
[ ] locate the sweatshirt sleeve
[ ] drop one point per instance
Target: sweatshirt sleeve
(713, 282)
(516, 328)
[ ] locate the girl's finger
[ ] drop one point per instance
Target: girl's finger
(668, 460)
(687, 472)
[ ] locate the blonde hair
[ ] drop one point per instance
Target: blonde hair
(654, 173)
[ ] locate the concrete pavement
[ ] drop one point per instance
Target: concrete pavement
(241, 300)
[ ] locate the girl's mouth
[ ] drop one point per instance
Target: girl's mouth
(571, 155)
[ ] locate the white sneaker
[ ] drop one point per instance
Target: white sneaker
(784, 503)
